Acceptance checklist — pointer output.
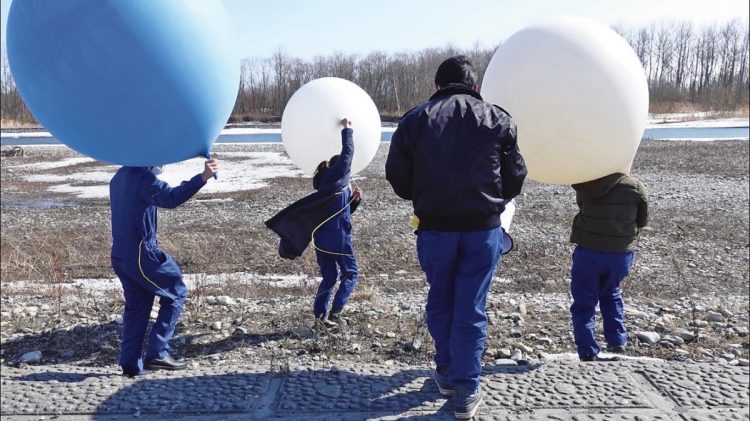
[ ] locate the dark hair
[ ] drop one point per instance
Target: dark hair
(321, 170)
(456, 69)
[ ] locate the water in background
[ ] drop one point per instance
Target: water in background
(667, 133)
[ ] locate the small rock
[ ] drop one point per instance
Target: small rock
(240, 331)
(514, 333)
(740, 330)
(726, 313)
(676, 340)
(744, 362)
(505, 361)
(727, 356)
(304, 332)
(405, 306)
(525, 348)
(667, 344)
(30, 357)
(649, 338)
(516, 355)
(216, 325)
(390, 335)
(714, 316)
(226, 300)
(545, 341)
(699, 323)
(414, 345)
(356, 347)
(503, 353)
(522, 309)
(687, 335)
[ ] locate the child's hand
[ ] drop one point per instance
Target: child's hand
(346, 123)
(357, 194)
(210, 167)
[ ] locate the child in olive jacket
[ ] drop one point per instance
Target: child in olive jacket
(612, 211)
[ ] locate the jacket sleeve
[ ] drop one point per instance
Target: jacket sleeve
(400, 163)
(512, 167)
(162, 195)
(641, 218)
(343, 165)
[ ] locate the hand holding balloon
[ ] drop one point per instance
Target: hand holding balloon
(346, 123)
(210, 168)
(357, 194)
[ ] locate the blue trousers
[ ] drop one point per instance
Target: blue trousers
(164, 280)
(330, 266)
(595, 278)
(459, 267)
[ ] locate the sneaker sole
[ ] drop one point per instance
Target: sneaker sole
(161, 367)
(445, 392)
(468, 415)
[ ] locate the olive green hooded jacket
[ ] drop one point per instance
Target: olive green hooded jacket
(612, 210)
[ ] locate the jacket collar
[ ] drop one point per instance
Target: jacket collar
(455, 89)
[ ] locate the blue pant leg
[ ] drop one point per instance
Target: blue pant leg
(329, 272)
(172, 293)
(478, 256)
(138, 303)
(584, 287)
(610, 298)
(349, 278)
(437, 252)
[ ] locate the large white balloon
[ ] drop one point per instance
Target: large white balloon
(578, 95)
(311, 129)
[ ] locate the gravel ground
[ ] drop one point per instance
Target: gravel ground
(686, 299)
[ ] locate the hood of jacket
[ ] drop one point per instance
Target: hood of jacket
(598, 188)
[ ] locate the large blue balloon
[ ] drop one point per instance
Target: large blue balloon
(132, 82)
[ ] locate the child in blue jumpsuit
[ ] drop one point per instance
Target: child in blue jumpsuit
(144, 269)
(333, 240)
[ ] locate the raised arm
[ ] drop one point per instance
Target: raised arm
(161, 194)
(341, 168)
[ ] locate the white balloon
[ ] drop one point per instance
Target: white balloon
(311, 129)
(578, 95)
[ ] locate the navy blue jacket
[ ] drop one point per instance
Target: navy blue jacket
(296, 222)
(455, 157)
(134, 195)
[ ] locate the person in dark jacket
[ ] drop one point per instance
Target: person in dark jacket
(455, 157)
(144, 269)
(612, 209)
(334, 248)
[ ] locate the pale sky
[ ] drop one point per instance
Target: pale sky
(306, 28)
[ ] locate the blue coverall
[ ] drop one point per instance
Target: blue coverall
(335, 236)
(144, 269)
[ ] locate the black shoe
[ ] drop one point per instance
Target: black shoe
(335, 316)
(129, 374)
(324, 322)
(166, 363)
(616, 349)
(599, 358)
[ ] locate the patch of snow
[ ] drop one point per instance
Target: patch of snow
(243, 171)
(48, 165)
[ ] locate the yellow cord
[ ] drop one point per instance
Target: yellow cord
(312, 237)
(144, 274)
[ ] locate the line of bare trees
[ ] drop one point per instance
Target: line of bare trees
(699, 68)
